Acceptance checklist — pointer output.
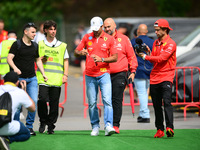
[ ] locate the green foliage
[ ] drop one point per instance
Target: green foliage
(17, 12)
(173, 8)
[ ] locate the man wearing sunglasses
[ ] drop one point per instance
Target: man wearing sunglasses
(21, 58)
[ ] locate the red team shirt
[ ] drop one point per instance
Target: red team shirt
(103, 47)
(163, 57)
(126, 56)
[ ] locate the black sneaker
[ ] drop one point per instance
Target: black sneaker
(32, 132)
(138, 118)
(50, 131)
(42, 127)
(144, 120)
(4, 143)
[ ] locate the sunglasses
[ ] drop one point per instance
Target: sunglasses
(31, 24)
(28, 25)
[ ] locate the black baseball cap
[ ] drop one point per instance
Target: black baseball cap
(11, 77)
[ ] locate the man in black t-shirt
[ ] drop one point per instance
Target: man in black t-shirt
(21, 59)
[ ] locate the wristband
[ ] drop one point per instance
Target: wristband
(65, 75)
(144, 56)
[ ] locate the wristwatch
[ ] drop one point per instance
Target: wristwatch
(102, 59)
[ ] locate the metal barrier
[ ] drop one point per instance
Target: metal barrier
(177, 88)
(64, 101)
(186, 103)
(191, 102)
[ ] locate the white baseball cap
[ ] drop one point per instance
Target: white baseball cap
(96, 23)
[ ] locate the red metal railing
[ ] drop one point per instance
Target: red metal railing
(185, 103)
(132, 103)
(64, 101)
(190, 103)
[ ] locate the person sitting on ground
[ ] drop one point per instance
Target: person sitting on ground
(15, 131)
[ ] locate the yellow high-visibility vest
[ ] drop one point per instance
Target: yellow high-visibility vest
(6, 45)
(54, 67)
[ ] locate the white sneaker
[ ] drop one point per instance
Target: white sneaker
(4, 144)
(109, 131)
(95, 131)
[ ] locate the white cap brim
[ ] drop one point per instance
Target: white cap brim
(95, 28)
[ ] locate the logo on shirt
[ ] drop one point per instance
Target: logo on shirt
(90, 49)
(90, 38)
(105, 38)
(8, 47)
(53, 52)
(103, 70)
(165, 44)
(103, 46)
(90, 43)
(119, 39)
(119, 46)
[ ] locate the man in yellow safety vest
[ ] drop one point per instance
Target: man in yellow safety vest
(4, 50)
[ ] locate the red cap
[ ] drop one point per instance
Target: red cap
(162, 23)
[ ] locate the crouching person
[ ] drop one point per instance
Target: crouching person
(15, 131)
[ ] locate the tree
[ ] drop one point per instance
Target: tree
(17, 12)
(173, 8)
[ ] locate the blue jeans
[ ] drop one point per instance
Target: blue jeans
(142, 86)
(22, 135)
(92, 84)
(32, 90)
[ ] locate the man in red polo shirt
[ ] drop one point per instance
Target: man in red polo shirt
(3, 33)
(118, 70)
(100, 51)
(163, 57)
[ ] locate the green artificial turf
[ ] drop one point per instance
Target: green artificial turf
(184, 139)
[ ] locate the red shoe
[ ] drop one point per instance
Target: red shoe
(159, 134)
(116, 129)
(169, 132)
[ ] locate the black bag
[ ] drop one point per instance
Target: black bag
(5, 109)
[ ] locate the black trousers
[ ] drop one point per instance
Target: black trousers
(161, 94)
(118, 86)
(51, 95)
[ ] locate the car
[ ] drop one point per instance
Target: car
(190, 42)
(188, 56)
(181, 26)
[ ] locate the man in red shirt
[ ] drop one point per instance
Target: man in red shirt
(163, 57)
(118, 70)
(100, 51)
(3, 33)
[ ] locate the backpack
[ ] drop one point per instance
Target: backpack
(19, 44)
(5, 109)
